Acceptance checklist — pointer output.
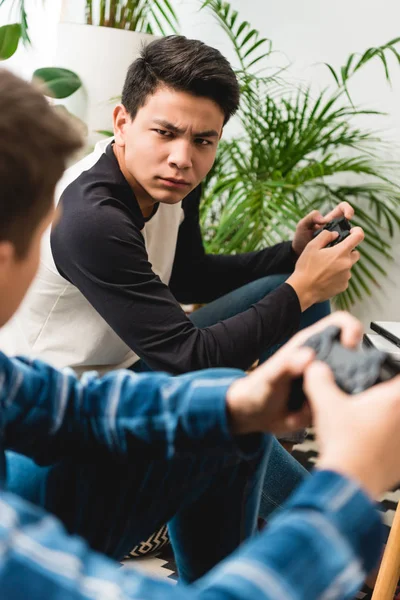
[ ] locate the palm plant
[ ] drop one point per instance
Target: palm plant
(297, 152)
(149, 16)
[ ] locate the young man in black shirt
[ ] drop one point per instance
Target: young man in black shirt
(128, 246)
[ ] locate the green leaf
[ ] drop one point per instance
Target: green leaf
(333, 72)
(9, 39)
(105, 132)
(60, 83)
(149, 16)
(244, 38)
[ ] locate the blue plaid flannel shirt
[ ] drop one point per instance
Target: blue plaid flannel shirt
(320, 546)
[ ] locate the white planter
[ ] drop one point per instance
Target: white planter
(101, 57)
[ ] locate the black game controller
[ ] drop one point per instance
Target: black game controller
(354, 370)
(341, 225)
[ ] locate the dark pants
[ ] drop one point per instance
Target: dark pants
(211, 503)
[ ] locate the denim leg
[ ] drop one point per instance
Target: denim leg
(241, 299)
(236, 301)
(25, 478)
(284, 473)
(205, 531)
(212, 501)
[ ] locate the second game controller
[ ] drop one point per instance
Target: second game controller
(354, 370)
(341, 225)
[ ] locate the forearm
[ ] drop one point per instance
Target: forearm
(205, 277)
(50, 414)
(236, 342)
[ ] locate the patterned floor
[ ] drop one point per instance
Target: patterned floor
(162, 564)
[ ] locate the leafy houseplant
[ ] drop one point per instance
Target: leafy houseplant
(149, 16)
(60, 83)
(297, 151)
(146, 16)
(10, 35)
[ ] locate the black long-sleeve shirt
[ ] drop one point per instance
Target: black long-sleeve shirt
(121, 264)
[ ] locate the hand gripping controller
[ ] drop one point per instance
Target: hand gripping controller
(354, 370)
(341, 225)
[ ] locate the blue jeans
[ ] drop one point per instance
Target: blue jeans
(284, 473)
(211, 504)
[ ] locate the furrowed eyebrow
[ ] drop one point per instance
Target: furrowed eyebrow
(178, 130)
(209, 133)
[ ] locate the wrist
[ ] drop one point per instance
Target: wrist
(303, 290)
(241, 414)
(295, 250)
(363, 477)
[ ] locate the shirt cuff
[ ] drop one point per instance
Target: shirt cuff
(207, 418)
(286, 297)
(290, 259)
(351, 510)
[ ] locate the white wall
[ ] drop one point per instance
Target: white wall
(306, 34)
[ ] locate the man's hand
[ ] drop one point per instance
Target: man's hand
(307, 226)
(322, 272)
(358, 435)
(258, 402)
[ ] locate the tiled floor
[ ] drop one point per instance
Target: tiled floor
(158, 565)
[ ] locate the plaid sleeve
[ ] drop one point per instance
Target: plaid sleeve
(46, 411)
(321, 546)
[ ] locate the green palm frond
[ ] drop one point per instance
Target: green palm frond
(356, 61)
(298, 152)
(250, 47)
(149, 16)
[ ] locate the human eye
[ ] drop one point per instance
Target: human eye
(163, 132)
(203, 142)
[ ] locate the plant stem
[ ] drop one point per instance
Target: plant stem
(122, 17)
(102, 18)
(89, 12)
(113, 13)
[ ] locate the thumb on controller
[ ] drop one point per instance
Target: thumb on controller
(320, 387)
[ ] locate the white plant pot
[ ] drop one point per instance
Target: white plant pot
(101, 57)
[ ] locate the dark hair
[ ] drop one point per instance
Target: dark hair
(184, 65)
(35, 143)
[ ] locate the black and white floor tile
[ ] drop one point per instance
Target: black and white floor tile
(162, 564)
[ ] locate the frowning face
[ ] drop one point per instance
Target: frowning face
(169, 146)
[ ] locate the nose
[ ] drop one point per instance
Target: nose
(180, 156)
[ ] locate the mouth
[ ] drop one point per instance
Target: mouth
(177, 183)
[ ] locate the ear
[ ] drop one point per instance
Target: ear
(7, 257)
(121, 118)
